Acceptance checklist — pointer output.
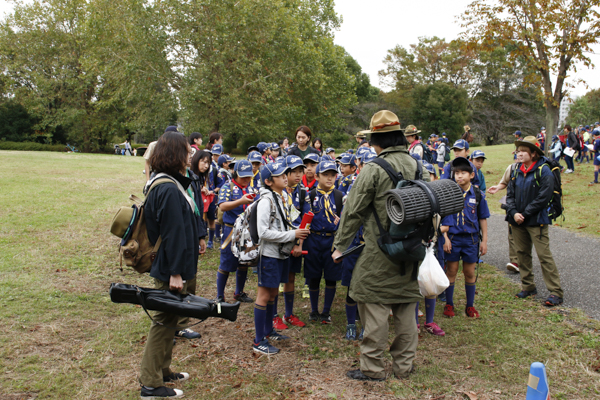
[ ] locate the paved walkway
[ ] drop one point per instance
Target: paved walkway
(577, 258)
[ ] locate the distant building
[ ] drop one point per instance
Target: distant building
(565, 105)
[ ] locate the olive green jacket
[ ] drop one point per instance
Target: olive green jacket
(376, 279)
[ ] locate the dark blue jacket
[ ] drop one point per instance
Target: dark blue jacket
(526, 196)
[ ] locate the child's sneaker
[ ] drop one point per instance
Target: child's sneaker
(278, 323)
(449, 311)
(313, 316)
(281, 288)
(351, 332)
(274, 335)
(293, 320)
(243, 298)
(305, 294)
(264, 347)
(442, 297)
(434, 329)
(325, 319)
(209, 244)
(471, 312)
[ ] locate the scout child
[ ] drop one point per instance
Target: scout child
(348, 169)
(256, 159)
(214, 183)
(461, 235)
(326, 205)
(265, 152)
(309, 180)
(460, 149)
(477, 159)
(224, 168)
(299, 203)
(235, 196)
(276, 234)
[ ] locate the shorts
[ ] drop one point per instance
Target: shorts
(295, 264)
(211, 214)
(596, 155)
(441, 164)
(318, 261)
(465, 247)
(229, 263)
(271, 271)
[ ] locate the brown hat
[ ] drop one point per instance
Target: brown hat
(411, 130)
(362, 134)
(385, 121)
(531, 142)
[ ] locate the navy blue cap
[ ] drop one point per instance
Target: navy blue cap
(312, 157)
(587, 127)
(216, 149)
(327, 157)
(597, 123)
(171, 128)
(243, 169)
(223, 159)
(325, 166)
(255, 156)
(517, 133)
(350, 151)
(461, 144)
(555, 137)
(262, 147)
(348, 159)
(362, 151)
(280, 159)
(430, 168)
(294, 162)
(478, 154)
(370, 156)
(460, 161)
(270, 170)
(443, 133)
(329, 150)
(596, 132)
(274, 146)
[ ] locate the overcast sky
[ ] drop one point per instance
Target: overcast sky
(370, 29)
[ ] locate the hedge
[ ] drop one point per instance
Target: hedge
(31, 146)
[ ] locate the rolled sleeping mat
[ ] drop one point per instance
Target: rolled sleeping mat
(186, 305)
(411, 203)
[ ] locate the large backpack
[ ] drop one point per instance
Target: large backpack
(446, 153)
(129, 223)
(405, 244)
(555, 208)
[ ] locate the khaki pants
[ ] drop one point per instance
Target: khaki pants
(512, 251)
(191, 289)
(156, 361)
(375, 341)
(526, 236)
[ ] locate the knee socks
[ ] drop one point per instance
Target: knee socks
(240, 279)
(221, 282)
(275, 306)
(350, 310)
(218, 230)
(329, 295)
(470, 289)
(313, 291)
(269, 319)
(429, 309)
(450, 294)
(596, 176)
(260, 315)
(211, 235)
(289, 303)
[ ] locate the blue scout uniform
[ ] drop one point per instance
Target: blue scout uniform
(319, 243)
(212, 185)
(255, 182)
(464, 228)
(224, 176)
(346, 182)
(597, 151)
(231, 191)
(446, 172)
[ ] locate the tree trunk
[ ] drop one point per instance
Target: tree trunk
(551, 124)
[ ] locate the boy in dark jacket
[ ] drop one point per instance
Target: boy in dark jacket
(527, 198)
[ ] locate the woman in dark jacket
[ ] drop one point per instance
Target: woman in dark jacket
(170, 214)
(303, 148)
(528, 194)
(573, 143)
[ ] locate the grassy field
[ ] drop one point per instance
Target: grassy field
(62, 338)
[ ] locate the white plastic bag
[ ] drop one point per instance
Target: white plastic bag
(432, 278)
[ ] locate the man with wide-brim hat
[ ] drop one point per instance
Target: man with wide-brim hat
(528, 194)
(377, 285)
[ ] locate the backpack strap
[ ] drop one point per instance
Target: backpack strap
(339, 201)
(283, 218)
(394, 175)
(311, 195)
(302, 199)
(477, 196)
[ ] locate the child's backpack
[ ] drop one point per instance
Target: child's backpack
(427, 154)
(446, 153)
(129, 224)
(555, 208)
(407, 243)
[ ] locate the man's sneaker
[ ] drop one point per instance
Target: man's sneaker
(434, 329)
(325, 318)
(243, 297)
(449, 311)
(313, 316)
(293, 320)
(526, 293)
(176, 376)
(359, 376)
(188, 334)
(361, 334)
(569, 171)
(553, 301)
(305, 293)
(471, 312)
(209, 244)
(264, 347)
(162, 392)
(274, 335)
(278, 323)
(351, 332)
(512, 267)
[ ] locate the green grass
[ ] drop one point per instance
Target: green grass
(62, 338)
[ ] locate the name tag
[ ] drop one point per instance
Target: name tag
(472, 201)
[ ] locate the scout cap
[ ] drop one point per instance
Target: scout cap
(216, 149)
(312, 157)
(478, 154)
(325, 166)
(384, 121)
(531, 142)
(268, 171)
(362, 151)
(243, 169)
(518, 133)
(262, 147)
(460, 144)
(224, 159)
(294, 162)
(416, 156)
(429, 167)
(274, 146)
(348, 159)
(370, 156)
(255, 156)
(329, 150)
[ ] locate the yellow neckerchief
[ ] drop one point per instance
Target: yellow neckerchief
(290, 190)
(252, 183)
(461, 214)
(327, 204)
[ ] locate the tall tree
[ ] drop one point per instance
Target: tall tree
(549, 35)
(585, 110)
